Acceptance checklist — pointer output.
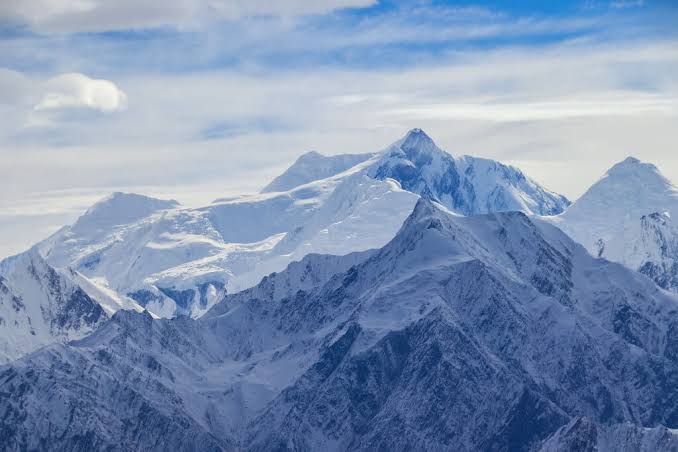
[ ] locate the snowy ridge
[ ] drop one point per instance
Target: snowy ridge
(491, 332)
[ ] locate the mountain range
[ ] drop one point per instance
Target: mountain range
(180, 261)
(489, 332)
(401, 299)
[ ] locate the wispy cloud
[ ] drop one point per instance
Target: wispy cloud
(76, 16)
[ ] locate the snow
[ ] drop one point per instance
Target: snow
(40, 305)
(625, 216)
(468, 185)
(314, 166)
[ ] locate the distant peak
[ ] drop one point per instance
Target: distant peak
(310, 155)
(417, 134)
(119, 208)
(417, 140)
(632, 165)
(423, 208)
(122, 197)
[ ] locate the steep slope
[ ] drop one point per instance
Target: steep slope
(467, 185)
(657, 250)
(491, 332)
(626, 217)
(313, 166)
(40, 305)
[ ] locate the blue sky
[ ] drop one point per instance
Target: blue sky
(194, 99)
(385, 35)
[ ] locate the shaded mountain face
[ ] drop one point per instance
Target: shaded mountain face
(179, 261)
(492, 332)
(40, 305)
(626, 217)
(467, 185)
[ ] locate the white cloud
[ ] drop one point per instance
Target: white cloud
(79, 91)
(68, 16)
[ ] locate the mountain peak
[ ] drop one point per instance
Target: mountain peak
(630, 184)
(416, 131)
(417, 140)
(119, 208)
(632, 165)
(123, 197)
(30, 258)
(310, 155)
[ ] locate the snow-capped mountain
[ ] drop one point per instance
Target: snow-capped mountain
(490, 332)
(174, 260)
(182, 261)
(467, 185)
(314, 166)
(40, 305)
(626, 217)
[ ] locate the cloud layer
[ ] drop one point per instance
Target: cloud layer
(72, 16)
